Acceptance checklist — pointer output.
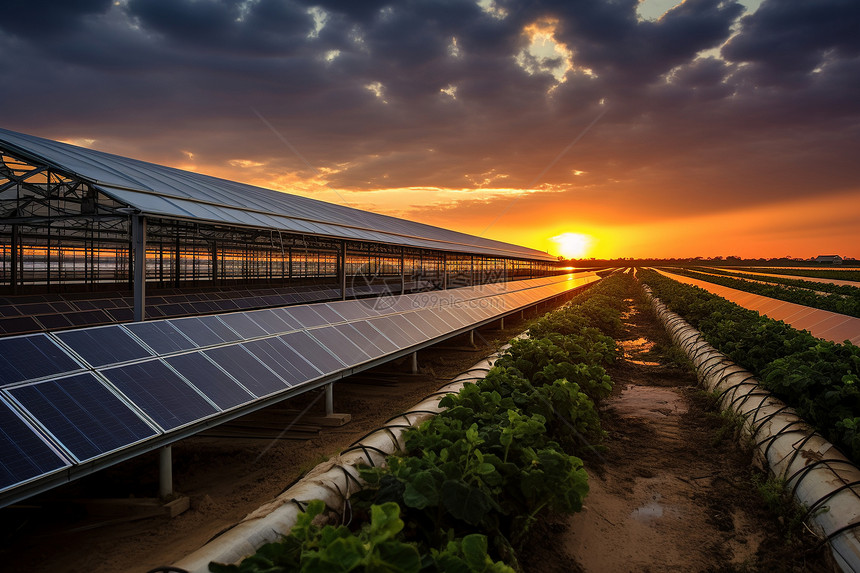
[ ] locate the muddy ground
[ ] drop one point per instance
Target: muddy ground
(673, 490)
(669, 492)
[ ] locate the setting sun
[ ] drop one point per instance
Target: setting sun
(572, 245)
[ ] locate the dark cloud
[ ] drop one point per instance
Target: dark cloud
(773, 114)
(43, 18)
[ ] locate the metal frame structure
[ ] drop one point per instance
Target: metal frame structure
(74, 219)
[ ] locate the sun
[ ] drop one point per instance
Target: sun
(572, 245)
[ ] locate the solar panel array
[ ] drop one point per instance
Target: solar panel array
(71, 397)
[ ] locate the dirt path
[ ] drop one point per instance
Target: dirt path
(672, 493)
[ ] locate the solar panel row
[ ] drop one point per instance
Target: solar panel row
(73, 396)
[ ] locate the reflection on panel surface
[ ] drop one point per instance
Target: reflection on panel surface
(245, 368)
(286, 362)
(344, 348)
(209, 379)
(161, 336)
(312, 351)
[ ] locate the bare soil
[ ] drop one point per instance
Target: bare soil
(672, 491)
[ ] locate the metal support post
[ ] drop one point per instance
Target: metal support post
(214, 263)
(165, 471)
(342, 270)
(13, 262)
(444, 271)
(502, 323)
(402, 272)
(329, 399)
(472, 270)
(472, 337)
(413, 362)
(138, 232)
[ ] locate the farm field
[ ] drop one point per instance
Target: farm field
(661, 435)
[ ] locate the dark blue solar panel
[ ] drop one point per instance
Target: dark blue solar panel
(245, 368)
(210, 379)
(312, 351)
(83, 415)
(34, 356)
(160, 336)
(205, 330)
(374, 337)
(161, 393)
(340, 344)
(273, 322)
(305, 316)
(241, 323)
(103, 345)
(24, 454)
(285, 361)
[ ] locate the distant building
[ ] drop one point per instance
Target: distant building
(830, 259)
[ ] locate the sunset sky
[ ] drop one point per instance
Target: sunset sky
(628, 129)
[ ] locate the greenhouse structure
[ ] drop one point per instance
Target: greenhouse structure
(88, 238)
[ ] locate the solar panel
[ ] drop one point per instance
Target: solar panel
(245, 368)
(160, 392)
(312, 351)
(209, 379)
(387, 326)
(33, 356)
(454, 319)
(103, 345)
(340, 344)
(272, 322)
(285, 361)
(363, 342)
(428, 325)
(83, 415)
(352, 310)
(24, 454)
(374, 337)
(205, 330)
(328, 313)
(242, 323)
(161, 336)
(408, 329)
(305, 316)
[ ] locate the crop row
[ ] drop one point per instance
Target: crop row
(845, 290)
(831, 302)
(818, 378)
(473, 480)
(845, 275)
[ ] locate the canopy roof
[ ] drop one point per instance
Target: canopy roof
(163, 191)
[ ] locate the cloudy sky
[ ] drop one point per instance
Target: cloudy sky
(657, 128)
